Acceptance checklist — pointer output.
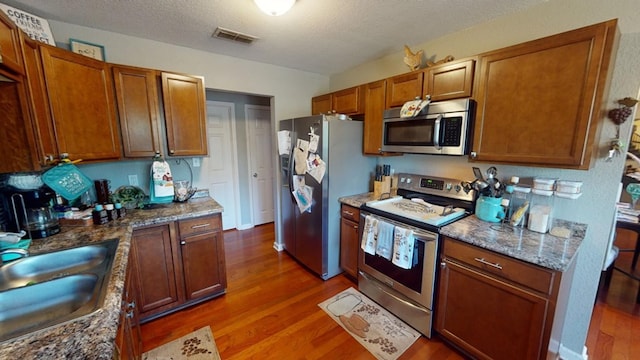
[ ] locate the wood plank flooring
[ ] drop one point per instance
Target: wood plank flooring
(270, 312)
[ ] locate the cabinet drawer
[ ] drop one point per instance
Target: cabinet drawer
(351, 213)
(199, 225)
(531, 276)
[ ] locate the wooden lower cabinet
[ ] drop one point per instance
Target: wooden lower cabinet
(349, 242)
(492, 306)
(178, 264)
(128, 344)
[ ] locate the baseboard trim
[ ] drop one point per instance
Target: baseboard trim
(567, 354)
(279, 247)
(244, 226)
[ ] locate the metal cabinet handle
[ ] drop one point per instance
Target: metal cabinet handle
(130, 314)
(443, 264)
(183, 242)
(347, 212)
(131, 305)
(200, 226)
(172, 152)
(355, 227)
(474, 155)
(483, 261)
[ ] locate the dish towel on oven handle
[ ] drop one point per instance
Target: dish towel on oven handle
(369, 235)
(384, 244)
(403, 244)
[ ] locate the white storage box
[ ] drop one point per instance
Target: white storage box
(543, 183)
(569, 187)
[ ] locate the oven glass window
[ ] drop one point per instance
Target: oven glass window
(410, 132)
(411, 278)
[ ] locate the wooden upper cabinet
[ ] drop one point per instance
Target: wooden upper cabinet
(374, 95)
(185, 114)
(321, 104)
(18, 146)
(346, 101)
(10, 53)
(38, 101)
(539, 103)
(137, 98)
(82, 105)
(452, 80)
(403, 88)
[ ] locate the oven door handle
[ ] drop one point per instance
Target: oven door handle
(418, 234)
(374, 283)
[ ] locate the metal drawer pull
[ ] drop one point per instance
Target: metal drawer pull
(348, 213)
(483, 261)
(200, 226)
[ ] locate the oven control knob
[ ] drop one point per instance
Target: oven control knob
(408, 180)
(458, 188)
(448, 186)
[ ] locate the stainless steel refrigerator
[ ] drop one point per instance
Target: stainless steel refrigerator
(313, 236)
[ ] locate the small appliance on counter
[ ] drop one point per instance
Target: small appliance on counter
(31, 210)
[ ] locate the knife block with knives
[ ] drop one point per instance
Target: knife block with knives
(382, 183)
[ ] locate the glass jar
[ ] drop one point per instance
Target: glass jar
(519, 205)
(541, 212)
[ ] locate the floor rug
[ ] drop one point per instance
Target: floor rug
(198, 345)
(379, 331)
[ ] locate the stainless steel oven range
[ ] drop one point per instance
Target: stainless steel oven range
(423, 205)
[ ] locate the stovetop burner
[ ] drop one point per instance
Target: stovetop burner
(425, 201)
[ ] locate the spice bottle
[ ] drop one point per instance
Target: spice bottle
(111, 214)
(120, 211)
(99, 215)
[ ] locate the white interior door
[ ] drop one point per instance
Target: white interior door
(260, 163)
(219, 169)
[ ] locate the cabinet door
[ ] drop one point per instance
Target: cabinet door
(129, 338)
(321, 104)
(203, 264)
(10, 53)
(18, 147)
(137, 100)
(185, 114)
(538, 103)
(403, 88)
(449, 81)
(156, 267)
(39, 102)
(498, 321)
(349, 246)
(82, 102)
(346, 101)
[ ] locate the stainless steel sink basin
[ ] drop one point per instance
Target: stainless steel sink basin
(48, 289)
(56, 264)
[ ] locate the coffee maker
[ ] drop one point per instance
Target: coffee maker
(31, 210)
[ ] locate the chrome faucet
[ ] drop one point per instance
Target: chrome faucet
(24, 253)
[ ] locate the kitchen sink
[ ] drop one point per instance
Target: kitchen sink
(48, 289)
(35, 269)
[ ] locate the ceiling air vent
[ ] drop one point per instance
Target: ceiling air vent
(222, 33)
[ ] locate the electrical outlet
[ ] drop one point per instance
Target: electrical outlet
(133, 180)
(196, 162)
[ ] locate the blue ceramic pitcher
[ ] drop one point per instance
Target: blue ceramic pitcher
(489, 209)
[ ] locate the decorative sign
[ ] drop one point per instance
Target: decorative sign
(87, 49)
(36, 27)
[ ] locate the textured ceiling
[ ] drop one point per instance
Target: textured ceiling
(321, 36)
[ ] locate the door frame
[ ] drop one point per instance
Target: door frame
(250, 158)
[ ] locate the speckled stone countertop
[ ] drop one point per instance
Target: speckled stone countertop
(92, 336)
(544, 250)
(540, 249)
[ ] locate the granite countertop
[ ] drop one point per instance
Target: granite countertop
(544, 250)
(540, 249)
(92, 336)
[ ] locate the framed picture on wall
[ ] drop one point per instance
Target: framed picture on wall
(91, 50)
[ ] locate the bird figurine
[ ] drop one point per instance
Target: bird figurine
(412, 60)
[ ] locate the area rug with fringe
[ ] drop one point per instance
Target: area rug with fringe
(198, 345)
(382, 333)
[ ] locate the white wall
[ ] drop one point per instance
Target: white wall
(596, 206)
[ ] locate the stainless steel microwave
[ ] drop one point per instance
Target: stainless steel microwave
(443, 127)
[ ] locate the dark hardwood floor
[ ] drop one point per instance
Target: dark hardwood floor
(270, 312)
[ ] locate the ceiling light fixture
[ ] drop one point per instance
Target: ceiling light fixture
(275, 7)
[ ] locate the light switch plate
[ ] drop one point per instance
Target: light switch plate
(196, 162)
(133, 180)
